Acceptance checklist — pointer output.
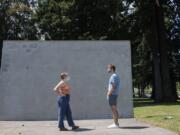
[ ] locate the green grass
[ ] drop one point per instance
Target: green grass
(165, 115)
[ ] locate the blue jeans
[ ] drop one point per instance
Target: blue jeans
(64, 111)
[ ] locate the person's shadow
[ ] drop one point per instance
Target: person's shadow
(90, 129)
(82, 129)
(134, 127)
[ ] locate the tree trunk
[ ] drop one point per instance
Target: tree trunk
(158, 95)
(174, 88)
(139, 91)
(1, 45)
(133, 93)
(143, 86)
(163, 48)
(157, 84)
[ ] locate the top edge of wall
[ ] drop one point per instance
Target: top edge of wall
(4, 41)
(66, 40)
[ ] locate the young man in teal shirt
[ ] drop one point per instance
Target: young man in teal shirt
(112, 94)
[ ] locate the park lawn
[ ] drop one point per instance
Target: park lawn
(165, 115)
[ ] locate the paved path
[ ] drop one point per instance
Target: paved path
(88, 127)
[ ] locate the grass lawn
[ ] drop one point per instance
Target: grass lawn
(165, 115)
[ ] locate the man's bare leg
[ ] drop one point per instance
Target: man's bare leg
(115, 114)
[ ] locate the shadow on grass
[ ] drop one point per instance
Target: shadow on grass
(134, 127)
(141, 102)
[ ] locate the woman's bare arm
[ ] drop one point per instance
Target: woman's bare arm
(57, 87)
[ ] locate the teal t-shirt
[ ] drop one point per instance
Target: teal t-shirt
(114, 79)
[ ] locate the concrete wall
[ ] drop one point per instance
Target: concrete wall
(30, 70)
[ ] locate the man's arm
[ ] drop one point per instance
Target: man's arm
(112, 89)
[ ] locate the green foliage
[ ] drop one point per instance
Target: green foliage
(82, 19)
(16, 20)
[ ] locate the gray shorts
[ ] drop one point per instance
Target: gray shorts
(112, 99)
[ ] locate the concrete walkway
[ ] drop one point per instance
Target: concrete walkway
(88, 127)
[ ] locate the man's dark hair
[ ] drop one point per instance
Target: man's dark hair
(113, 67)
